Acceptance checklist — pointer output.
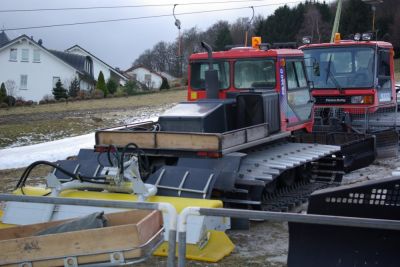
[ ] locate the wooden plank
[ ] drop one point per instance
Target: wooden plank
(131, 216)
(149, 226)
(91, 246)
(26, 230)
(184, 140)
(188, 141)
(122, 138)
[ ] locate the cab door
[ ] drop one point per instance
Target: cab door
(299, 104)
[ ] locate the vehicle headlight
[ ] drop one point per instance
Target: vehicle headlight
(366, 36)
(362, 99)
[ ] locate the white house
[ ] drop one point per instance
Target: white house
(99, 65)
(151, 79)
(30, 70)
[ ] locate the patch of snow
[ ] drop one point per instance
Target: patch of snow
(18, 157)
(22, 156)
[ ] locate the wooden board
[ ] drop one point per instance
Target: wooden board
(122, 138)
(126, 232)
(186, 141)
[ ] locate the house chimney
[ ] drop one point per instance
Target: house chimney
(40, 42)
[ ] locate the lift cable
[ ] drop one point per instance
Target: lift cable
(128, 6)
(136, 18)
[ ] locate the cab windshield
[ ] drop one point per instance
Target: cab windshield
(255, 73)
(346, 67)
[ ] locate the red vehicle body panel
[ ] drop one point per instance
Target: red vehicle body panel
(318, 92)
(278, 55)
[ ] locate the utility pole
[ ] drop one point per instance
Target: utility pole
(336, 23)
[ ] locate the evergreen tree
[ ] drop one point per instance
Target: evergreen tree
(3, 93)
(59, 91)
(223, 36)
(131, 87)
(356, 17)
(164, 84)
(74, 88)
(112, 86)
(101, 84)
(282, 26)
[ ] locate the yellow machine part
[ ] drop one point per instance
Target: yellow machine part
(178, 202)
(4, 225)
(217, 247)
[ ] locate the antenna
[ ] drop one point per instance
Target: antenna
(248, 27)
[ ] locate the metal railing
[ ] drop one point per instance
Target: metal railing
(363, 119)
(178, 224)
(165, 208)
(274, 216)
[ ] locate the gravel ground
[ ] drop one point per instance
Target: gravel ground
(265, 244)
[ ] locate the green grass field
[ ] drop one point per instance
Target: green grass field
(151, 99)
(40, 123)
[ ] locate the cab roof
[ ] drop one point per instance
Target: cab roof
(249, 52)
(345, 43)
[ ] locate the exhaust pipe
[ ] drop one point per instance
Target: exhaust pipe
(211, 75)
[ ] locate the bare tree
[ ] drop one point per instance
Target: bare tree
(146, 59)
(160, 56)
(395, 31)
(238, 31)
(313, 25)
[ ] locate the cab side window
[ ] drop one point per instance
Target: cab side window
(384, 79)
(298, 93)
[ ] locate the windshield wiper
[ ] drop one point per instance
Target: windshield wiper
(330, 75)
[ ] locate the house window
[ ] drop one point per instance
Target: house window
(88, 65)
(13, 54)
(36, 55)
(25, 55)
(147, 78)
(134, 76)
(24, 82)
(55, 80)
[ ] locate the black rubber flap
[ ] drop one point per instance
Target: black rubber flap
(324, 245)
(183, 182)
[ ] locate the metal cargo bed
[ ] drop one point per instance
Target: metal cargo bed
(162, 142)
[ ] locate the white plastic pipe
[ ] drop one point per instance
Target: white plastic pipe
(182, 227)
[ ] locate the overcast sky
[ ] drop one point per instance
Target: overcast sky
(118, 43)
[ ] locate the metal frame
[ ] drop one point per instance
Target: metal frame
(275, 216)
(166, 208)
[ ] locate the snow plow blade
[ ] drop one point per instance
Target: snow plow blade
(387, 143)
(357, 150)
(324, 245)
